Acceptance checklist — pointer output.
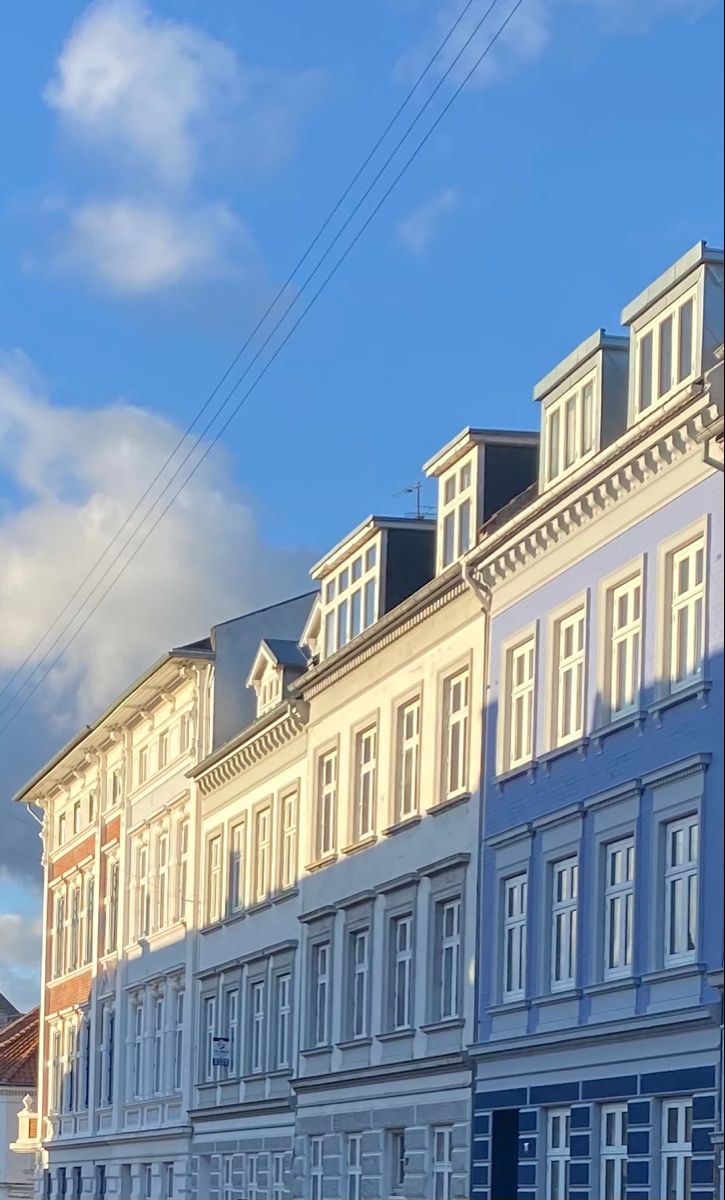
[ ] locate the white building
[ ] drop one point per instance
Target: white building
(18, 1072)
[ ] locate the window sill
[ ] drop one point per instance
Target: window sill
(233, 917)
(554, 997)
(212, 927)
(252, 1077)
(402, 825)
(158, 934)
(697, 690)
(313, 1051)
(449, 802)
(259, 906)
(369, 840)
(447, 1023)
(66, 975)
(626, 721)
(396, 1035)
(287, 894)
(679, 970)
(575, 746)
(620, 984)
(524, 768)
(521, 1004)
(279, 1073)
(353, 1043)
(318, 863)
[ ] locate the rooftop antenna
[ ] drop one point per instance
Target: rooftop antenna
(414, 489)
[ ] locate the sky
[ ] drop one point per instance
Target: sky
(164, 167)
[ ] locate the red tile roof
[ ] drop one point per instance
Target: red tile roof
(19, 1050)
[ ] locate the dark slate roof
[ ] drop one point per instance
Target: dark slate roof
(19, 1050)
(286, 652)
(6, 1008)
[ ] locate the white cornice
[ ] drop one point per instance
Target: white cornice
(253, 749)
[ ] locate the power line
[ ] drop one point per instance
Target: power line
(255, 357)
(274, 355)
(273, 304)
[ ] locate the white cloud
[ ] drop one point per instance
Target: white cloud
(416, 231)
(132, 247)
(20, 947)
(78, 472)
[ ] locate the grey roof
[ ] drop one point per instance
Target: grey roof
(6, 1008)
(286, 652)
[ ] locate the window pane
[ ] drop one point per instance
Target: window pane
(665, 363)
(685, 363)
(645, 371)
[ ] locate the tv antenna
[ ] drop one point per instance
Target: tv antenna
(414, 489)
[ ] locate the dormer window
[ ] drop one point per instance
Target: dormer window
(351, 599)
(665, 356)
(569, 428)
(457, 506)
(269, 690)
(278, 662)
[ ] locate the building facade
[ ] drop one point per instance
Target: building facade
(18, 1077)
(598, 1055)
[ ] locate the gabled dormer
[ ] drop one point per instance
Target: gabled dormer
(478, 473)
(277, 664)
(311, 636)
(584, 405)
(675, 328)
(368, 573)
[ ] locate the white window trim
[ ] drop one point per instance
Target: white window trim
(560, 1154)
(619, 898)
(442, 1161)
(213, 873)
(289, 801)
(515, 930)
(681, 1150)
(320, 984)
(504, 731)
(407, 749)
(617, 1153)
(365, 782)
(237, 881)
(464, 494)
(317, 1166)
(558, 408)
(449, 948)
(325, 812)
(401, 967)
(684, 873)
(630, 571)
(262, 845)
(576, 605)
(337, 602)
(653, 326)
(460, 719)
(569, 910)
(359, 982)
(665, 560)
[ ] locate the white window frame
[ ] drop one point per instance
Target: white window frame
(456, 732)
(288, 806)
(397, 1159)
(262, 853)
(59, 932)
(365, 783)
(253, 1188)
(407, 765)
(569, 674)
(112, 880)
(558, 1153)
(182, 834)
(326, 803)
(107, 1053)
(137, 1047)
(163, 749)
(353, 1162)
(209, 1034)
(456, 511)
(517, 738)
(56, 1069)
(449, 956)
(515, 904)
(283, 1020)
(613, 1152)
(279, 1189)
(162, 879)
(258, 1026)
(619, 880)
(237, 865)
(662, 385)
(213, 899)
(401, 971)
(442, 1161)
(682, 890)
(228, 1189)
(359, 981)
(143, 896)
(142, 770)
(231, 1028)
(157, 1072)
(178, 1045)
(564, 922)
(679, 1151)
(690, 604)
(320, 954)
(622, 647)
(351, 597)
(317, 1167)
(574, 442)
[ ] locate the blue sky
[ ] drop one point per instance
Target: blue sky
(163, 167)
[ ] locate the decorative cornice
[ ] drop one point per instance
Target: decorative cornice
(255, 746)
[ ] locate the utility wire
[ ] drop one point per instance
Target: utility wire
(277, 351)
(273, 304)
(249, 366)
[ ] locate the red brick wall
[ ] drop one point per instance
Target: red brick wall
(67, 992)
(111, 830)
(85, 850)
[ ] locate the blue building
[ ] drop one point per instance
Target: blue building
(598, 1053)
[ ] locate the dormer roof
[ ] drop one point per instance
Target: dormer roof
(359, 535)
(599, 340)
(278, 652)
(694, 257)
(469, 437)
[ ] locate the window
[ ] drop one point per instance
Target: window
(279, 1191)
(77, 1183)
(456, 515)
(557, 1154)
(262, 853)
(137, 1048)
(158, 1046)
(253, 1176)
(59, 935)
(569, 677)
(116, 786)
(569, 429)
(228, 1177)
(143, 765)
(163, 750)
(288, 847)
(183, 856)
(401, 937)
(77, 817)
(613, 1152)
(167, 1181)
(326, 803)
(108, 1021)
(455, 778)
(100, 1173)
(359, 976)
(353, 1189)
(564, 924)
(687, 608)
(283, 1007)
(514, 937)
(112, 880)
(624, 646)
(258, 1027)
(519, 746)
(90, 888)
(91, 806)
(143, 899)
(408, 760)
(62, 831)
(146, 1181)
(442, 1163)
(162, 880)
(320, 998)
(676, 1149)
(62, 1188)
(84, 1065)
(71, 1074)
(317, 1168)
(665, 353)
(237, 856)
(56, 1071)
(363, 823)
(178, 1037)
(397, 1158)
(184, 732)
(209, 1032)
(214, 878)
(619, 908)
(449, 957)
(681, 853)
(75, 928)
(350, 600)
(231, 1027)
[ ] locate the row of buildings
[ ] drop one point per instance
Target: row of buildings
(411, 886)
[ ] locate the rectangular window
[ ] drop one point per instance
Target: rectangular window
(253, 1192)
(401, 938)
(514, 937)
(143, 897)
(59, 935)
(257, 1061)
(75, 928)
(183, 855)
(455, 748)
(687, 613)
(448, 930)
(397, 1158)
(56, 1071)
(408, 760)
(137, 1049)
(112, 882)
(564, 924)
(681, 890)
(317, 1168)
(77, 1183)
(326, 803)
(442, 1163)
(279, 1190)
(184, 732)
(666, 353)
(520, 679)
(163, 749)
(209, 1034)
(62, 831)
(676, 1149)
(262, 854)
(214, 879)
(350, 600)
(146, 1181)
(283, 1006)
(353, 1190)
(569, 429)
(108, 1021)
(359, 977)
(624, 646)
(162, 880)
(619, 908)
(364, 795)
(229, 1191)
(167, 1181)
(100, 1174)
(231, 1027)
(178, 1038)
(288, 848)
(116, 786)
(557, 1154)
(569, 677)
(143, 765)
(320, 997)
(158, 1046)
(455, 517)
(613, 1152)
(237, 856)
(77, 817)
